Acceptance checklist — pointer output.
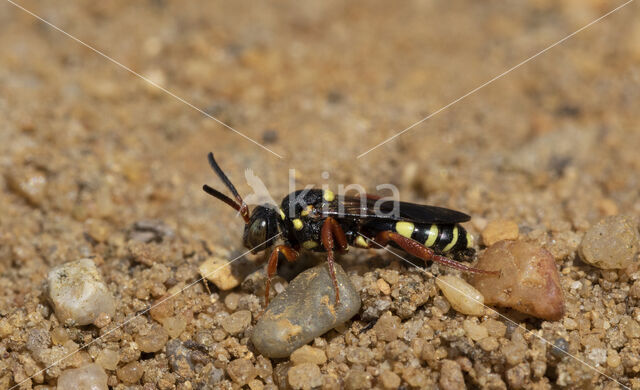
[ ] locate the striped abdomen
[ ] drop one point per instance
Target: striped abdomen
(441, 238)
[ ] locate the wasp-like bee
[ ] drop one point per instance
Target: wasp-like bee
(318, 220)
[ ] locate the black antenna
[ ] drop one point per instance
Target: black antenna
(240, 206)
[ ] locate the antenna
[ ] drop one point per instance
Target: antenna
(238, 205)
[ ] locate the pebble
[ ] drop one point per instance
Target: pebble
(174, 325)
(389, 380)
(308, 354)
(498, 230)
(241, 371)
(474, 331)
(529, 281)
(304, 311)
(462, 296)
(29, 183)
(78, 293)
(388, 327)
(130, 373)
(451, 376)
(612, 243)
(89, 377)
(108, 359)
(220, 272)
(237, 322)
(154, 340)
(304, 376)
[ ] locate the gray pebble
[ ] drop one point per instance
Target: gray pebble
(612, 243)
(304, 311)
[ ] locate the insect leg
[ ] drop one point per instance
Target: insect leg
(330, 229)
(416, 249)
(289, 253)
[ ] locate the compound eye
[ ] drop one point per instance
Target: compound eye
(258, 232)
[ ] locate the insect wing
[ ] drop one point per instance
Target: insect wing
(355, 207)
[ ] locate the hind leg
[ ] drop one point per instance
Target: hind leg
(417, 249)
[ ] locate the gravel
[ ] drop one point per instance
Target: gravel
(612, 243)
(89, 377)
(528, 282)
(305, 310)
(78, 293)
(95, 163)
(462, 296)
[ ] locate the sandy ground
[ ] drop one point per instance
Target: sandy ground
(88, 149)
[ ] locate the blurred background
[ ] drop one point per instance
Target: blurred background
(87, 149)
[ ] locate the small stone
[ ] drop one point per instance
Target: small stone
(499, 230)
(514, 351)
(451, 376)
(89, 377)
(78, 293)
(383, 286)
(231, 301)
(613, 359)
(517, 376)
(474, 331)
(174, 325)
(241, 371)
(219, 271)
(388, 327)
(463, 297)
(6, 329)
(59, 336)
(237, 322)
(495, 327)
(489, 344)
(28, 183)
(304, 311)
(162, 308)
(528, 280)
(130, 373)
(389, 380)
(308, 354)
(612, 243)
(108, 359)
(154, 340)
(357, 379)
(255, 384)
(304, 376)
(630, 327)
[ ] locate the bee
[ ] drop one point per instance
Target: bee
(321, 221)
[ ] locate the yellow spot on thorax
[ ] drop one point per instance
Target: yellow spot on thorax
(433, 236)
(297, 224)
(328, 195)
(405, 228)
(361, 242)
(453, 240)
(309, 244)
(282, 214)
(307, 210)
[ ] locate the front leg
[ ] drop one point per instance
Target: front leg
(416, 249)
(330, 229)
(289, 253)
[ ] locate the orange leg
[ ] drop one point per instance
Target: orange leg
(289, 253)
(331, 229)
(416, 249)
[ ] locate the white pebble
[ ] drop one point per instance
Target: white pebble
(78, 293)
(89, 377)
(576, 285)
(219, 272)
(462, 296)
